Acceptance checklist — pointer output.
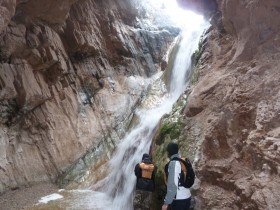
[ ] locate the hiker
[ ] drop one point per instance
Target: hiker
(144, 172)
(178, 197)
(145, 185)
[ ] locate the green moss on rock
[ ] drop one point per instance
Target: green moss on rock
(172, 130)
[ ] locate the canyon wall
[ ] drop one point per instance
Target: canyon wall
(235, 107)
(71, 74)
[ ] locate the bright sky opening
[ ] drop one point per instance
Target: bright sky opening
(182, 18)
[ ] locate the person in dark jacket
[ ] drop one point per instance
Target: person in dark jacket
(145, 174)
(177, 197)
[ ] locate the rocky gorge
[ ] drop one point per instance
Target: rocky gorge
(73, 71)
(70, 79)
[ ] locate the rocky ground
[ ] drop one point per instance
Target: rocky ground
(24, 198)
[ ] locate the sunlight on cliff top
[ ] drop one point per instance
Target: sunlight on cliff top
(169, 12)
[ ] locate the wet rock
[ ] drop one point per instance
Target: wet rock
(70, 79)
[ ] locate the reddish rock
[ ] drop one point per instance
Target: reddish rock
(51, 11)
(7, 11)
(236, 103)
(71, 74)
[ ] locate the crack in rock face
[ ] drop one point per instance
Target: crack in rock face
(71, 75)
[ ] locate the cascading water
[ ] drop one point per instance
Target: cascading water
(182, 66)
(117, 189)
(121, 182)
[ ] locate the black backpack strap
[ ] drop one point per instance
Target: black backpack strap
(181, 160)
(166, 172)
(177, 158)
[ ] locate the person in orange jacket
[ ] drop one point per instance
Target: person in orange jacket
(145, 184)
(144, 172)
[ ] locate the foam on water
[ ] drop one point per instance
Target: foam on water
(51, 197)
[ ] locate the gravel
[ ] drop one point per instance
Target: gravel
(25, 198)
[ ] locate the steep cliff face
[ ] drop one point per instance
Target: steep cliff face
(236, 105)
(71, 73)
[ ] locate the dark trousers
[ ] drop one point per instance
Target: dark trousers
(181, 204)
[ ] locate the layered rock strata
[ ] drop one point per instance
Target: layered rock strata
(71, 73)
(236, 106)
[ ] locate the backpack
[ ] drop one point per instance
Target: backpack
(187, 175)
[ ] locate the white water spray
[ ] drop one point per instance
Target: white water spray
(181, 71)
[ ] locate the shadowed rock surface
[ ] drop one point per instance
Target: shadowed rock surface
(71, 74)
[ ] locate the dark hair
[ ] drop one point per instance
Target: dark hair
(172, 149)
(145, 155)
(146, 158)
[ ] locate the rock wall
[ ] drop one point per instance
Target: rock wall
(236, 105)
(71, 73)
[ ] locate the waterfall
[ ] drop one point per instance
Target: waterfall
(116, 191)
(120, 184)
(181, 71)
